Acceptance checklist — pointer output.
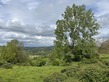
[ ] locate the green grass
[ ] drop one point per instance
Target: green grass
(36, 74)
(104, 57)
(27, 73)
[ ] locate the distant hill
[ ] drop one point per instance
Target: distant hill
(38, 50)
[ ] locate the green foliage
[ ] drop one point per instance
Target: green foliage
(1, 62)
(106, 63)
(55, 62)
(71, 72)
(68, 58)
(13, 52)
(92, 75)
(7, 65)
(74, 33)
(55, 77)
(38, 61)
(88, 70)
(90, 61)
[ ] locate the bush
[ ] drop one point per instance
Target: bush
(40, 63)
(70, 72)
(92, 75)
(35, 58)
(106, 63)
(7, 65)
(1, 63)
(90, 61)
(55, 77)
(55, 63)
(87, 73)
(68, 58)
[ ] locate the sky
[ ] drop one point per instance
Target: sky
(33, 21)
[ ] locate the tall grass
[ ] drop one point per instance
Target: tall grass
(27, 73)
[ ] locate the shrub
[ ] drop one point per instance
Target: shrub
(24, 64)
(106, 63)
(55, 62)
(87, 74)
(90, 61)
(55, 77)
(40, 62)
(7, 65)
(92, 75)
(1, 63)
(68, 58)
(70, 72)
(35, 58)
(66, 64)
(32, 63)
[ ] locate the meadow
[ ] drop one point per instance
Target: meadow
(34, 73)
(104, 57)
(27, 73)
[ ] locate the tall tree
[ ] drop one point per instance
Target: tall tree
(75, 31)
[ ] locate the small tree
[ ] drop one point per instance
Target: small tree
(13, 52)
(75, 31)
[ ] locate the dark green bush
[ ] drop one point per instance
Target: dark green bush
(24, 64)
(55, 63)
(92, 75)
(40, 62)
(33, 63)
(55, 77)
(87, 73)
(7, 65)
(66, 64)
(106, 63)
(35, 58)
(1, 63)
(70, 72)
(89, 61)
(68, 57)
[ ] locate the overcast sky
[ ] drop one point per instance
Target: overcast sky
(33, 21)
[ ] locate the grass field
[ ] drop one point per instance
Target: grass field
(27, 73)
(33, 73)
(104, 57)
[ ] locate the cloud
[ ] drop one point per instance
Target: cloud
(103, 20)
(33, 21)
(19, 27)
(30, 35)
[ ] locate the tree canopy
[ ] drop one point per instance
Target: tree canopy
(13, 52)
(75, 31)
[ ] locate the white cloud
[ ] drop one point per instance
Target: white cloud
(33, 21)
